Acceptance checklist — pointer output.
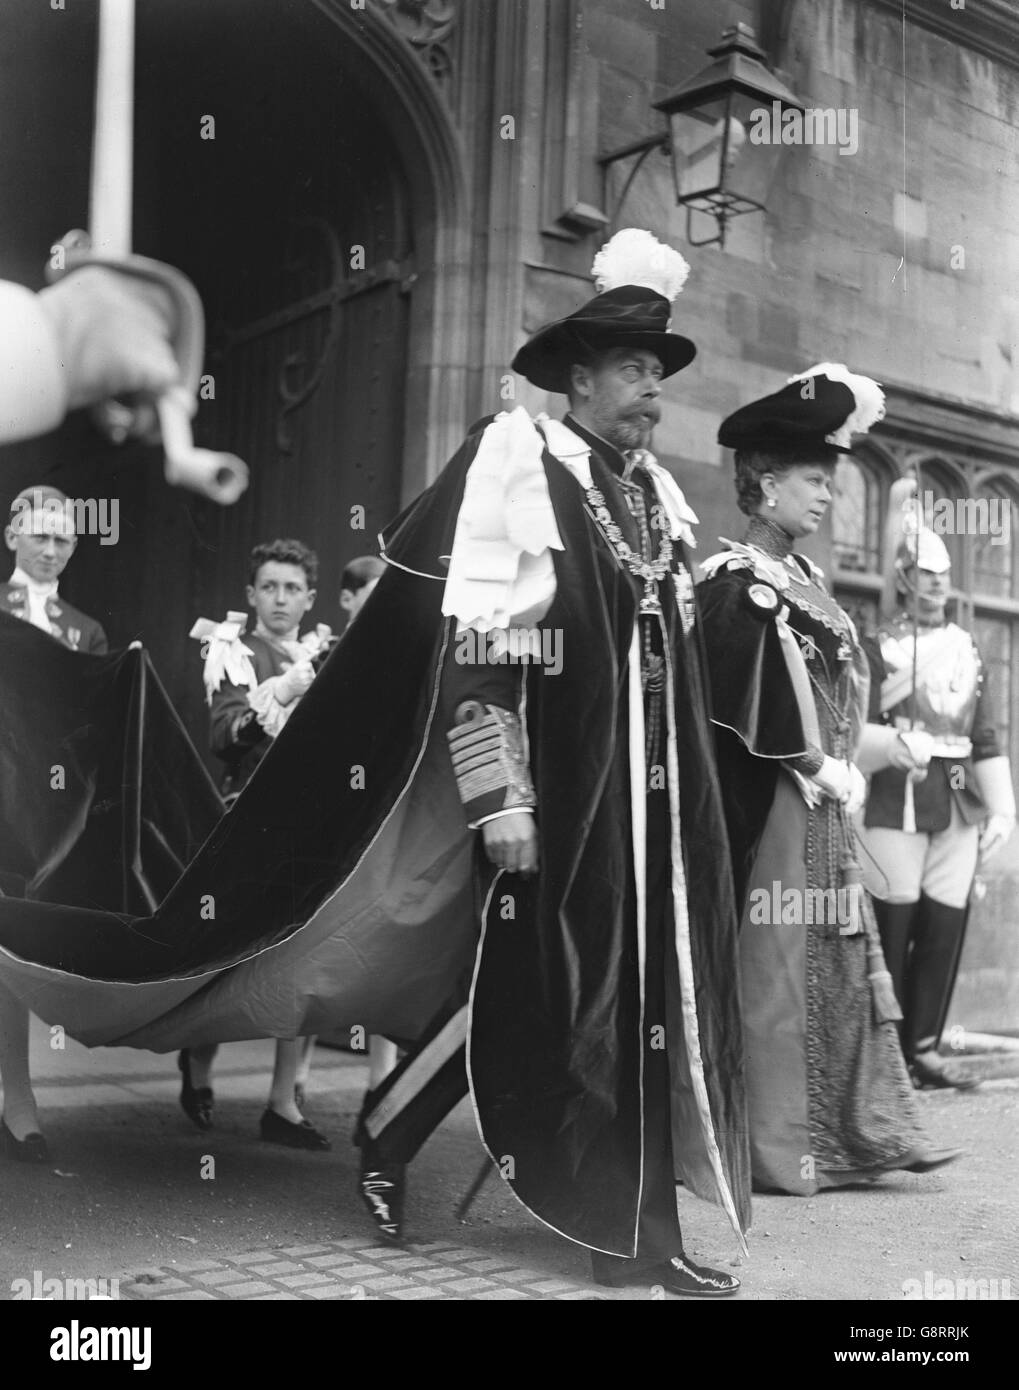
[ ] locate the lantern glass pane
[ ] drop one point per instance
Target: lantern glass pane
(698, 147)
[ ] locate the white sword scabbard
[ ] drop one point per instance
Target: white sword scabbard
(220, 476)
(909, 808)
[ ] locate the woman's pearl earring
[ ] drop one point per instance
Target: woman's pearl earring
(772, 502)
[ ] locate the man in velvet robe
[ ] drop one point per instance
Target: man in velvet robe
(558, 1100)
(602, 1035)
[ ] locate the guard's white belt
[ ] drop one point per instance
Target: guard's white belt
(945, 745)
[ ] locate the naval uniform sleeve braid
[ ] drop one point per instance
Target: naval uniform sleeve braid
(479, 700)
(487, 750)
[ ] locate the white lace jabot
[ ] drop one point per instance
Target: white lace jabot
(501, 570)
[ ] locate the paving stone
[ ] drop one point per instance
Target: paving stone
(487, 1265)
(304, 1281)
(391, 1281)
(153, 1271)
(195, 1266)
(551, 1286)
(355, 1274)
(453, 1257)
(160, 1286)
(416, 1293)
(254, 1257)
(278, 1295)
(185, 1294)
(296, 1252)
(334, 1260)
(434, 1275)
(351, 1243)
(213, 1277)
(248, 1289)
(275, 1268)
(503, 1294)
(467, 1285)
(409, 1262)
(520, 1276)
(585, 1293)
(331, 1291)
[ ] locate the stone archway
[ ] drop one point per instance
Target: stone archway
(339, 378)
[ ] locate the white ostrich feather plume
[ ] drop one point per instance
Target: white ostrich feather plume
(870, 400)
(635, 257)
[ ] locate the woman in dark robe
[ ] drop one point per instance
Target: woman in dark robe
(830, 1100)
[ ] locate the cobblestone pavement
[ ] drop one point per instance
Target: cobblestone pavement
(135, 1193)
(352, 1269)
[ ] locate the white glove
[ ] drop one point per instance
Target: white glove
(994, 782)
(293, 683)
(913, 750)
(857, 790)
(843, 782)
(996, 831)
(882, 746)
(833, 779)
(114, 334)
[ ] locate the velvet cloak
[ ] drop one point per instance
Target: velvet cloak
(338, 892)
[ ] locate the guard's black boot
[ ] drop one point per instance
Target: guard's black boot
(930, 977)
(896, 924)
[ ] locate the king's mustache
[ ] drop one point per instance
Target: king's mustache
(641, 419)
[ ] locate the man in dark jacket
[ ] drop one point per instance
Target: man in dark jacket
(41, 533)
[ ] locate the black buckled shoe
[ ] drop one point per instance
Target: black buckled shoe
(382, 1186)
(678, 1275)
(276, 1130)
(195, 1101)
(931, 1069)
(32, 1149)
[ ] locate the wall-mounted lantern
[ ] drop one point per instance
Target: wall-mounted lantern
(724, 135)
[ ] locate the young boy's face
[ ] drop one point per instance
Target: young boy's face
(280, 596)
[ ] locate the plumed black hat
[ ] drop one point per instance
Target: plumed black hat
(822, 408)
(637, 279)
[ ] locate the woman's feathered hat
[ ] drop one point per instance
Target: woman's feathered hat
(637, 277)
(823, 407)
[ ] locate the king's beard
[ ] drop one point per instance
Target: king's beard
(623, 432)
